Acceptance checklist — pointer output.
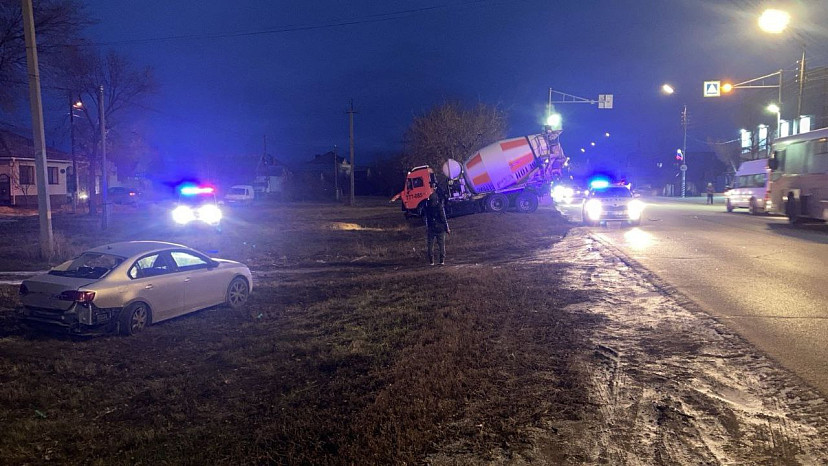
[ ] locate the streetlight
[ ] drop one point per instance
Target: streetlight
(775, 21)
(773, 108)
(74, 105)
(555, 121)
(669, 90)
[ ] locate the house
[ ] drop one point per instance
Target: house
(17, 172)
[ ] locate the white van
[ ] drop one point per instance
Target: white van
(240, 194)
(750, 187)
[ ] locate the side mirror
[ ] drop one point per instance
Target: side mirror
(213, 264)
(773, 164)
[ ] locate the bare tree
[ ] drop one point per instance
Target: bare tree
(728, 152)
(57, 23)
(450, 131)
(124, 87)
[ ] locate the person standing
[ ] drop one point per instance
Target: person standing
(710, 191)
(437, 227)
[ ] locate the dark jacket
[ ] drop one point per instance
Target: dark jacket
(435, 215)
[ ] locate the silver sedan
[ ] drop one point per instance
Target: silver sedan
(127, 286)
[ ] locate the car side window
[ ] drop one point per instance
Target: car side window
(186, 261)
(151, 266)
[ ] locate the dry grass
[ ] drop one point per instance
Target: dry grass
(351, 351)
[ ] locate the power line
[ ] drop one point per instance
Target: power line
(375, 18)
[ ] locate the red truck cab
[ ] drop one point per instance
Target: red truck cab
(417, 189)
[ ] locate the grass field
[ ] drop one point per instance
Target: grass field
(351, 350)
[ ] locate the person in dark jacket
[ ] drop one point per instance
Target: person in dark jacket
(437, 227)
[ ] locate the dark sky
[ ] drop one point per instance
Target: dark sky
(233, 71)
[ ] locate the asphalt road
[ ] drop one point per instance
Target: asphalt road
(765, 279)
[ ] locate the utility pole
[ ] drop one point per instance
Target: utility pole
(43, 204)
(336, 174)
(801, 83)
(351, 112)
(104, 177)
(684, 153)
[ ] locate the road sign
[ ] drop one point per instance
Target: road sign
(683, 168)
(604, 100)
(712, 88)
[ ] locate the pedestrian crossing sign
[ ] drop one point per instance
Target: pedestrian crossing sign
(712, 88)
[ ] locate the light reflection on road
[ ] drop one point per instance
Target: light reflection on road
(638, 239)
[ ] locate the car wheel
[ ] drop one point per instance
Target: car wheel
(729, 206)
(526, 203)
(135, 318)
(497, 203)
(237, 293)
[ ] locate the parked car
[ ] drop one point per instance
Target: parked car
(240, 194)
(123, 196)
(127, 286)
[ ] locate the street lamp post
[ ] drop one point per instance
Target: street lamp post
(669, 90)
(775, 21)
(74, 105)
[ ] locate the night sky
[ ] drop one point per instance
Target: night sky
(233, 71)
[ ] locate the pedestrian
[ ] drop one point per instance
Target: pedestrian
(710, 191)
(437, 227)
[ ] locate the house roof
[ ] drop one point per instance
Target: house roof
(15, 145)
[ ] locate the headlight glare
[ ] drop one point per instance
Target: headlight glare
(634, 209)
(593, 209)
(209, 214)
(183, 215)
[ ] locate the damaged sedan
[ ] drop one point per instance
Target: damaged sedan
(124, 287)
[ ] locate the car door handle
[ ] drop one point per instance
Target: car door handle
(148, 287)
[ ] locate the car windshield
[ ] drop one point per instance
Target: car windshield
(612, 192)
(238, 191)
(87, 265)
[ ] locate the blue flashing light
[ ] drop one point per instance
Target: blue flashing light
(190, 190)
(598, 183)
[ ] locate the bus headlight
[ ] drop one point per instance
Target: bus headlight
(593, 209)
(634, 209)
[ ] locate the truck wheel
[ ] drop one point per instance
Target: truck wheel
(497, 203)
(526, 203)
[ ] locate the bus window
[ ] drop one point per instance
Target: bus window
(780, 160)
(795, 156)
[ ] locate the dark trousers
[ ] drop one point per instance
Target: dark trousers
(440, 236)
(709, 198)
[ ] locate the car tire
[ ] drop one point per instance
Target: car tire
(729, 206)
(526, 203)
(134, 318)
(497, 203)
(237, 293)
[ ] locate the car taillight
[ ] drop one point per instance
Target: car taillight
(77, 296)
(24, 290)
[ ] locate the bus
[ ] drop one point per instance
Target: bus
(799, 177)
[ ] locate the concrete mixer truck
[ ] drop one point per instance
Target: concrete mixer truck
(510, 173)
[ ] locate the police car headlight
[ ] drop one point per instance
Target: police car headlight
(634, 209)
(183, 215)
(209, 214)
(593, 209)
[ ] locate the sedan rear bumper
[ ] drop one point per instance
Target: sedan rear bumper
(101, 321)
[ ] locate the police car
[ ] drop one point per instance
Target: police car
(197, 205)
(611, 203)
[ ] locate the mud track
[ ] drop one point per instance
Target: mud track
(670, 384)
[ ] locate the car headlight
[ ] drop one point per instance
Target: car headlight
(593, 209)
(634, 209)
(183, 215)
(209, 214)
